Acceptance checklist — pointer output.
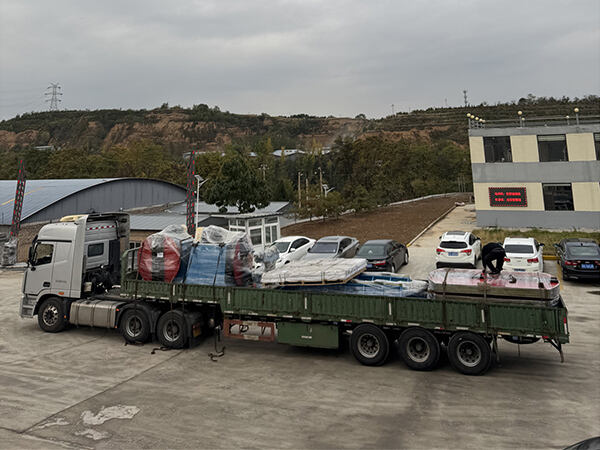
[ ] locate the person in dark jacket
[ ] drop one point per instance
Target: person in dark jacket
(493, 252)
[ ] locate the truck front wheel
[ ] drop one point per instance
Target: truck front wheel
(419, 349)
(51, 315)
(469, 353)
(369, 344)
(135, 326)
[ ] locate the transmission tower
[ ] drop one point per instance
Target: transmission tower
(466, 99)
(54, 92)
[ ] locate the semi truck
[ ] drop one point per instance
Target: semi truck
(82, 272)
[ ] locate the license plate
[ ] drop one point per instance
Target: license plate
(587, 266)
(452, 253)
(519, 270)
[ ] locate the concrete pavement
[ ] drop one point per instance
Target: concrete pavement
(83, 388)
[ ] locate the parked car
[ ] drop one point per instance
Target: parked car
(333, 247)
(579, 258)
(292, 248)
(523, 255)
(383, 254)
(458, 248)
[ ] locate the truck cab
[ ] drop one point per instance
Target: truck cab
(73, 259)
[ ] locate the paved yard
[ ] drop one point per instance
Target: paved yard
(84, 388)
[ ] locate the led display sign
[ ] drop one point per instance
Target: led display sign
(508, 196)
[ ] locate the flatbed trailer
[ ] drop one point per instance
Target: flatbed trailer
(312, 319)
(70, 262)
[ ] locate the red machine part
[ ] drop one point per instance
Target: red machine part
(159, 258)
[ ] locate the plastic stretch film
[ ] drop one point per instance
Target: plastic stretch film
(164, 255)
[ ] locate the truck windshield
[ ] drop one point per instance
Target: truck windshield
(324, 247)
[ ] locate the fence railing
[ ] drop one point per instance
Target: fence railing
(524, 121)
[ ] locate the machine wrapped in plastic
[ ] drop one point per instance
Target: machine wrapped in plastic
(164, 256)
(506, 285)
(221, 258)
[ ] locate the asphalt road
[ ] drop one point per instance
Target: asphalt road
(84, 388)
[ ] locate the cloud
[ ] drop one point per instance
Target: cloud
(285, 57)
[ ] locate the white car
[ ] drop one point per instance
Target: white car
(523, 255)
(458, 248)
(292, 248)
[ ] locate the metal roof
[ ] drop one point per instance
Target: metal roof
(156, 222)
(40, 194)
(205, 208)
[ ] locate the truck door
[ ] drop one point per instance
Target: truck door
(39, 274)
(62, 268)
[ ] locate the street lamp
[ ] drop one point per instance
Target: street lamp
(521, 118)
(576, 115)
(200, 181)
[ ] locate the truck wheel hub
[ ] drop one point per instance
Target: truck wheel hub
(134, 326)
(368, 346)
(171, 331)
(418, 350)
(50, 315)
(468, 354)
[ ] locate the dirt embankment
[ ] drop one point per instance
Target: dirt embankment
(401, 223)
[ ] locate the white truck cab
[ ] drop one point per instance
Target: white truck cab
(74, 258)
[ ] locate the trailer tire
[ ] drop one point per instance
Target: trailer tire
(469, 353)
(369, 344)
(171, 329)
(419, 349)
(135, 326)
(51, 315)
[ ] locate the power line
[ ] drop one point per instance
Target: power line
(53, 92)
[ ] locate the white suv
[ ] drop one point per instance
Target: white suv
(458, 248)
(523, 255)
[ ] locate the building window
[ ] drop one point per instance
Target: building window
(497, 149)
(558, 197)
(553, 148)
(597, 145)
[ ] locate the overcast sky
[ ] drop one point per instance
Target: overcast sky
(287, 57)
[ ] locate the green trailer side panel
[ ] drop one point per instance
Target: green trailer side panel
(464, 315)
(420, 311)
(347, 307)
(540, 321)
(308, 335)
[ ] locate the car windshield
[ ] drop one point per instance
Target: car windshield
(453, 244)
(583, 250)
(519, 248)
(282, 247)
(324, 247)
(371, 251)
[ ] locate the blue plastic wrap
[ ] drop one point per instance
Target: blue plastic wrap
(207, 265)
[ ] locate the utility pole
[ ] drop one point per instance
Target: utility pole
(53, 92)
(299, 193)
(466, 98)
(392, 109)
(263, 168)
(306, 179)
(320, 181)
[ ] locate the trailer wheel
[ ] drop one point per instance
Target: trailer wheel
(370, 345)
(135, 326)
(419, 349)
(171, 329)
(51, 315)
(469, 353)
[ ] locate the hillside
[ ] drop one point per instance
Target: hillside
(203, 128)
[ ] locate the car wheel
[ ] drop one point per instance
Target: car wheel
(393, 268)
(406, 257)
(565, 275)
